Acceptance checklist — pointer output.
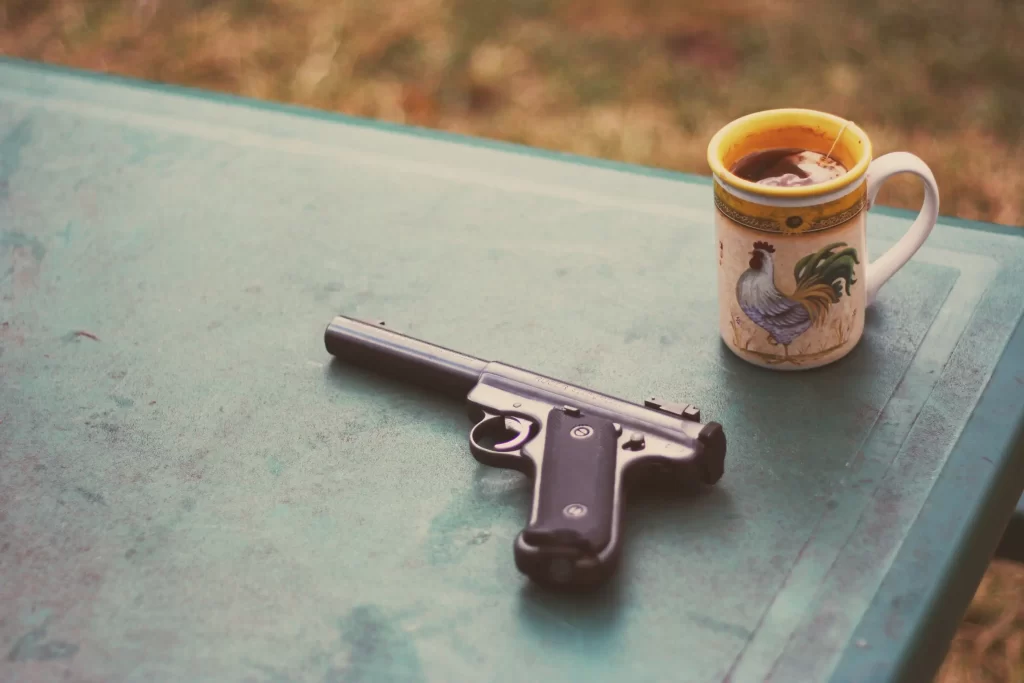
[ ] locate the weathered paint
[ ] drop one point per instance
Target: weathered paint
(189, 490)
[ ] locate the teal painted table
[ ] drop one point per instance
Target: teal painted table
(190, 490)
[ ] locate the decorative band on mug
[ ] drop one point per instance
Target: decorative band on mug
(791, 220)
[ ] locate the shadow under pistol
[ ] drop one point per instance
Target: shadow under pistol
(576, 444)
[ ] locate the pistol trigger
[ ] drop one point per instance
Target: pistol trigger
(522, 433)
(499, 434)
(496, 441)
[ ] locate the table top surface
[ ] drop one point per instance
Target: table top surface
(190, 490)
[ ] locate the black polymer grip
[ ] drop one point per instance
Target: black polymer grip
(576, 489)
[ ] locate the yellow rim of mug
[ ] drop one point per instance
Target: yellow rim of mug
(812, 124)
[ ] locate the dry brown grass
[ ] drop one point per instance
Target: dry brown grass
(989, 646)
(644, 81)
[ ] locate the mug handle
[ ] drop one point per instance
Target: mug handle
(881, 169)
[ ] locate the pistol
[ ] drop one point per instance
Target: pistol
(575, 444)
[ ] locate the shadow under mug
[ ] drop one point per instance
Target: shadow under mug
(793, 275)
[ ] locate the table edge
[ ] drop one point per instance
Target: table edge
(436, 134)
(926, 600)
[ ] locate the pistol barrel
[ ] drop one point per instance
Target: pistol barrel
(379, 349)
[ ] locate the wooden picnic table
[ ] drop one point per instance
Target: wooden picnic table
(191, 490)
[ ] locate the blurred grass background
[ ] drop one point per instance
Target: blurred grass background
(642, 81)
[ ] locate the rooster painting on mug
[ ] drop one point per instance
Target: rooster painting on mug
(821, 279)
(791, 301)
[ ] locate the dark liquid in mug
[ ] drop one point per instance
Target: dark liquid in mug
(788, 167)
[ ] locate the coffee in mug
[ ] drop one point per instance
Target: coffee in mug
(788, 167)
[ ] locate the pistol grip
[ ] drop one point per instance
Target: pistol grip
(572, 530)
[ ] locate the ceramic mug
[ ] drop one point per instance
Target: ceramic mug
(794, 278)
